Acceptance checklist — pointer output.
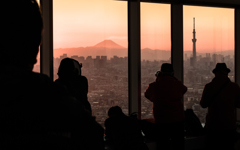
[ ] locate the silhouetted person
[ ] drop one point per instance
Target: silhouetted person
(193, 126)
(166, 94)
(123, 131)
(221, 97)
(70, 76)
(36, 113)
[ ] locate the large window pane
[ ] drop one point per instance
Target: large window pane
(214, 43)
(94, 32)
(155, 47)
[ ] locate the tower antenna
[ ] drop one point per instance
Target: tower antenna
(194, 40)
(194, 23)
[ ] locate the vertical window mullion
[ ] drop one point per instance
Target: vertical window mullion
(237, 51)
(134, 57)
(46, 52)
(177, 40)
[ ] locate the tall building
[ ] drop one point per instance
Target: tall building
(194, 40)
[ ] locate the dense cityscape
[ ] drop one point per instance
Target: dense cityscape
(108, 81)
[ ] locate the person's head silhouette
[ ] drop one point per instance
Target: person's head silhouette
(221, 69)
(69, 68)
(115, 111)
(167, 69)
(21, 32)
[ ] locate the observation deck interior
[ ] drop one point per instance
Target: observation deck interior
(134, 48)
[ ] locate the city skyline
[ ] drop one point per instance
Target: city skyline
(108, 80)
(115, 46)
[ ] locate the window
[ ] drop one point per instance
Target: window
(155, 47)
(63, 21)
(94, 32)
(214, 40)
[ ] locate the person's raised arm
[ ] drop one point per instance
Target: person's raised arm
(149, 92)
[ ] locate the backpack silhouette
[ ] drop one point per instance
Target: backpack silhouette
(193, 126)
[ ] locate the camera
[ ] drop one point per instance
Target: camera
(157, 73)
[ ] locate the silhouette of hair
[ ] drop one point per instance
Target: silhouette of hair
(114, 111)
(167, 68)
(21, 24)
(68, 68)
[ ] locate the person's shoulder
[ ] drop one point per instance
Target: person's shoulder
(132, 120)
(234, 85)
(57, 80)
(41, 77)
(54, 87)
(153, 83)
(209, 84)
(177, 82)
(116, 119)
(110, 121)
(127, 119)
(81, 78)
(107, 121)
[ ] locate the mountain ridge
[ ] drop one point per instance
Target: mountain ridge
(108, 44)
(110, 48)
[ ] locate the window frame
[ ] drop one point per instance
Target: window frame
(134, 43)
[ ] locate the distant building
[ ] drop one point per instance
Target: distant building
(98, 57)
(63, 56)
(193, 60)
(186, 57)
(81, 59)
(75, 57)
(89, 61)
(208, 55)
(217, 58)
(89, 58)
(104, 58)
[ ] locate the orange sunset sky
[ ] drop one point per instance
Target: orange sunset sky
(82, 23)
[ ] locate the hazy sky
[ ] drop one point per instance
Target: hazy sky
(214, 27)
(81, 23)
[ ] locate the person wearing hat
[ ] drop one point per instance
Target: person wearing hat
(166, 94)
(221, 97)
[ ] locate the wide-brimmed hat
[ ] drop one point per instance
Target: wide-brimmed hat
(221, 67)
(166, 68)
